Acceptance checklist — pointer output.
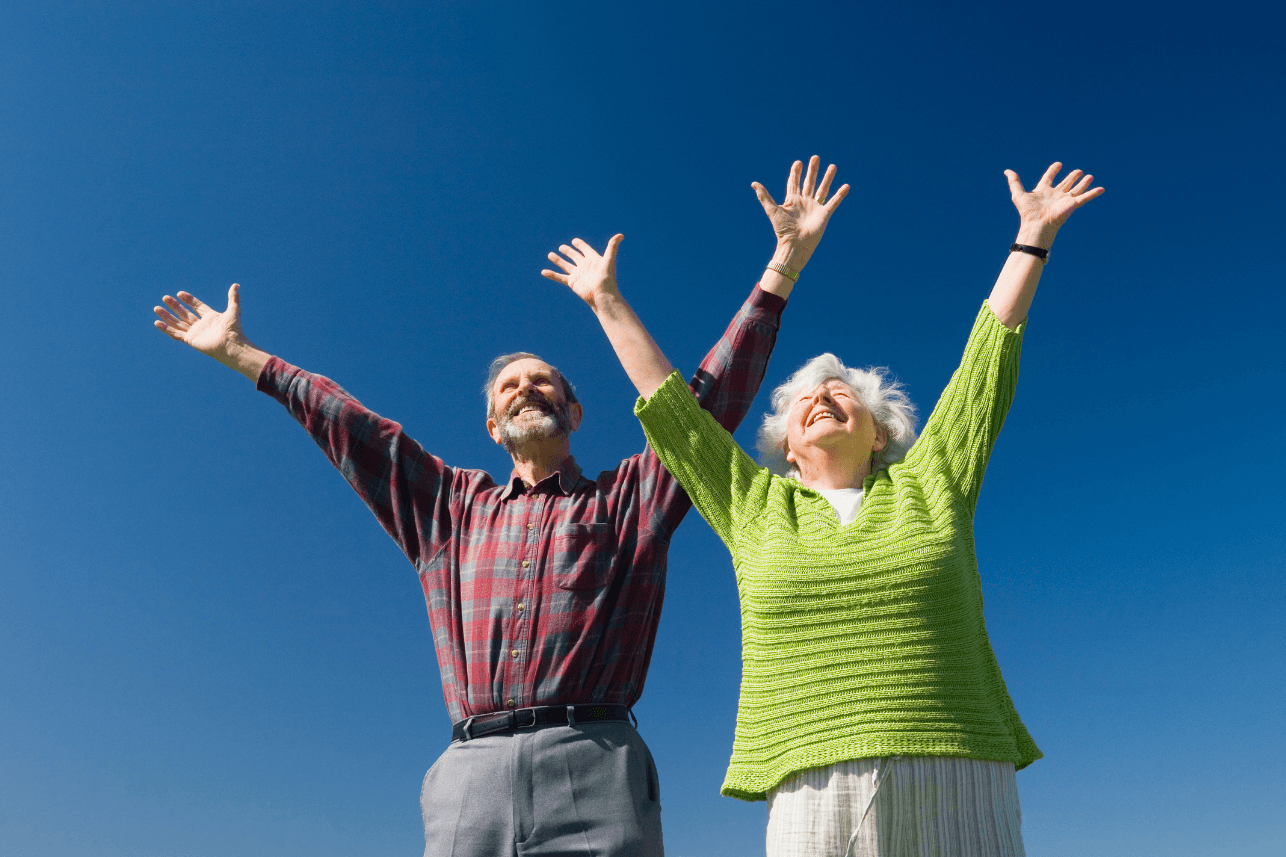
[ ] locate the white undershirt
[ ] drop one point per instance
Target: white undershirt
(845, 502)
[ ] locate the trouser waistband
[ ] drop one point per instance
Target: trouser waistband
(545, 715)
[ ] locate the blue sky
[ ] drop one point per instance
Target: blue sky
(208, 646)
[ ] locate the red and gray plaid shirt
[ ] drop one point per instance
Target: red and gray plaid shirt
(546, 595)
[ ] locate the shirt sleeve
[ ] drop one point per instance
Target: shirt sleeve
(725, 385)
(724, 483)
(406, 488)
(958, 438)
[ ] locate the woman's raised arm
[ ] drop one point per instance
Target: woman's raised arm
(593, 278)
(1042, 212)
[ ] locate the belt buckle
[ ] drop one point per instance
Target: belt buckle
(517, 718)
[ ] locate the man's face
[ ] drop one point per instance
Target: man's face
(528, 404)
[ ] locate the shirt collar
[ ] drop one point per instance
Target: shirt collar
(562, 481)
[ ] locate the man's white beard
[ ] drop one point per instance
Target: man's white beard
(549, 425)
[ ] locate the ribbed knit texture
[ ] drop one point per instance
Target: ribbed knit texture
(864, 640)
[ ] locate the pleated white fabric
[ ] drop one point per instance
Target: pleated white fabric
(900, 806)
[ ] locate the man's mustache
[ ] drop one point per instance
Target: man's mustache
(535, 399)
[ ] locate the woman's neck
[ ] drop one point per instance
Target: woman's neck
(826, 472)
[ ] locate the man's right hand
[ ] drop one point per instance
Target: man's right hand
(217, 334)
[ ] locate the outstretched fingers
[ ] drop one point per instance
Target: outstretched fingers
(792, 181)
(587, 251)
(1087, 196)
(1047, 180)
(825, 186)
(810, 178)
(1066, 184)
(179, 310)
(194, 302)
(836, 199)
(561, 262)
(571, 253)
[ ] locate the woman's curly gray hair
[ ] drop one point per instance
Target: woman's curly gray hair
(883, 396)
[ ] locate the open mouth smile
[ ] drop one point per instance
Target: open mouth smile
(529, 406)
(822, 415)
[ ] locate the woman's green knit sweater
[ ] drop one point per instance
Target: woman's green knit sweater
(864, 640)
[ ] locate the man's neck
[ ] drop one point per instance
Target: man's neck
(535, 460)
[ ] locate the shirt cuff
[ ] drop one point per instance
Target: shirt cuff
(270, 377)
(766, 303)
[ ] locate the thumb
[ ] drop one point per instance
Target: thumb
(612, 244)
(234, 302)
(765, 198)
(1015, 184)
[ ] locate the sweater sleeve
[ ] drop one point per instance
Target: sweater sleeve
(725, 385)
(960, 433)
(722, 480)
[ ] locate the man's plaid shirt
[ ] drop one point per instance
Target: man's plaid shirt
(548, 595)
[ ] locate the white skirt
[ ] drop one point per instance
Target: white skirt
(898, 806)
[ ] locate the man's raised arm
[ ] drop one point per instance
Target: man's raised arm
(217, 334)
(798, 224)
(408, 489)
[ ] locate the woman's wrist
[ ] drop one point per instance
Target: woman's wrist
(1037, 235)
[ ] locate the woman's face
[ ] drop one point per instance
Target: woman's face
(830, 418)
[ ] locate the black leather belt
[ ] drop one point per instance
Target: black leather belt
(530, 718)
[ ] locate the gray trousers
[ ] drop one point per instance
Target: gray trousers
(585, 790)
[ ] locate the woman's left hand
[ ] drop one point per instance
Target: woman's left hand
(802, 216)
(1047, 206)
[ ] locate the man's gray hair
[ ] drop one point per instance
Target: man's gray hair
(498, 365)
(883, 396)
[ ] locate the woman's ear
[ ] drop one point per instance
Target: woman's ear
(881, 438)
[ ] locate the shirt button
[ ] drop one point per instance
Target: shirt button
(526, 563)
(512, 704)
(521, 607)
(531, 526)
(514, 653)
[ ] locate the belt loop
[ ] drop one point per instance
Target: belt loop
(571, 716)
(630, 712)
(468, 729)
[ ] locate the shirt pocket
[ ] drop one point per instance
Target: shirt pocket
(582, 555)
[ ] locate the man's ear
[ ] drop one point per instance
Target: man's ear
(493, 429)
(574, 415)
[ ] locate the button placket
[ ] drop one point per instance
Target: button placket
(520, 635)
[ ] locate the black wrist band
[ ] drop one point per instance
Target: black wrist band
(1039, 252)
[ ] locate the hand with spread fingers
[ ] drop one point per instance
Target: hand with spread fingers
(1042, 211)
(593, 278)
(801, 218)
(585, 272)
(1046, 207)
(217, 334)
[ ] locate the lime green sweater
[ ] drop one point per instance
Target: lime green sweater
(868, 639)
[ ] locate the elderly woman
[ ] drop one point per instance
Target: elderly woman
(873, 715)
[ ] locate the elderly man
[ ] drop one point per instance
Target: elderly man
(543, 592)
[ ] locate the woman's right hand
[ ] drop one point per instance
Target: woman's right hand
(802, 216)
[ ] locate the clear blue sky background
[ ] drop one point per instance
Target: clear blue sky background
(209, 647)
